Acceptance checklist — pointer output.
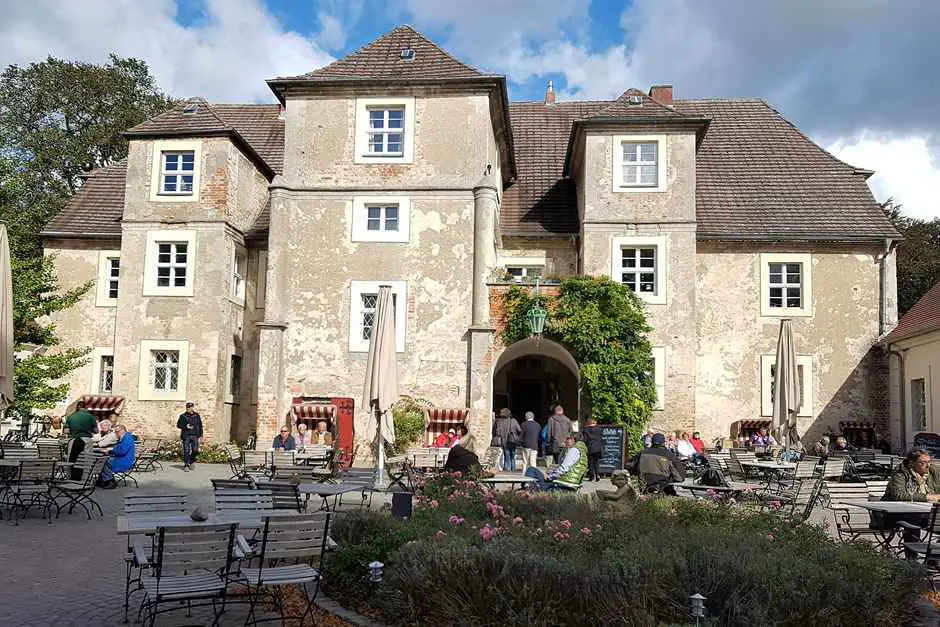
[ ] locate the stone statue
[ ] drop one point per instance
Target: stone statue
(624, 496)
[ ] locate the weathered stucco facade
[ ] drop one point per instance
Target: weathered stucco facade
(399, 165)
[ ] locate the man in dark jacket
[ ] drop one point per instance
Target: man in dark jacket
(559, 428)
(530, 441)
(591, 435)
(190, 425)
(462, 460)
(658, 467)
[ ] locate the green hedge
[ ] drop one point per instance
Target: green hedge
(520, 559)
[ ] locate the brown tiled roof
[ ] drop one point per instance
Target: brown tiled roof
(541, 201)
(923, 317)
(382, 60)
(259, 230)
(759, 177)
(625, 107)
(97, 206)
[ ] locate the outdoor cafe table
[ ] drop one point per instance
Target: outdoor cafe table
(327, 490)
(509, 480)
(733, 488)
(143, 524)
(914, 512)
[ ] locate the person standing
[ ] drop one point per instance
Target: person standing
(80, 426)
(591, 436)
(559, 428)
(506, 432)
(530, 441)
(190, 426)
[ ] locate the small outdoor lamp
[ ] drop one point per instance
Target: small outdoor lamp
(698, 607)
(375, 571)
(537, 315)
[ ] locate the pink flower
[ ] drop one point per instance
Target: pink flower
(565, 524)
(770, 537)
(434, 504)
(517, 521)
(586, 531)
(487, 532)
(440, 535)
(644, 497)
(455, 520)
(457, 474)
(775, 505)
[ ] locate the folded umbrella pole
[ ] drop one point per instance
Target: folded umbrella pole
(381, 384)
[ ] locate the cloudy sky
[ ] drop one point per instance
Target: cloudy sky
(859, 76)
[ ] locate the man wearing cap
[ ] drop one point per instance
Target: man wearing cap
(190, 426)
(658, 467)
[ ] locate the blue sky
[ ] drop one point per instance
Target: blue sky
(859, 76)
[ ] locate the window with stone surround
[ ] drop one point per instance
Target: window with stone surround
(524, 274)
(239, 272)
(639, 163)
(364, 295)
(639, 262)
(804, 368)
(163, 370)
(169, 263)
(235, 378)
(381, 219)
(786, 284)
(385, 129)
(919, 404)
(109, 278)
(177, 172)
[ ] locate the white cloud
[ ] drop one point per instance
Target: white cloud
(903, 169)
(226, 56)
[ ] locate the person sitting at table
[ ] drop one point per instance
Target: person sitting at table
(284, 441)
(303, 439)
(762, 439)
(444, 440)
(322, 436)
(106, 437)
(914, 480)
(684, 448)
(121, 458)
(55, 427)
(568, 475)
(658, 467)
(842, 446)
(697, 443)
(821, 447)
(460, 459)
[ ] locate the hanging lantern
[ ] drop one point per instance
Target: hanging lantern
(536, 317)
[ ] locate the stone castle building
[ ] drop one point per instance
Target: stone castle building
(237, 251)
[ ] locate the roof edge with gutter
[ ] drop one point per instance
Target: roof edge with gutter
(281, 86)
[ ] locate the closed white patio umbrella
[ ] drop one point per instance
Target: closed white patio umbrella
(381, 385)
(6, 322)
(787, 397)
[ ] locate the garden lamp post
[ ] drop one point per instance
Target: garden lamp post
(698, 607)
(536, 315)
(375, 571)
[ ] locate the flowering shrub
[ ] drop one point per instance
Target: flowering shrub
(485, 557)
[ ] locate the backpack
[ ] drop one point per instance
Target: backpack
(713, 477)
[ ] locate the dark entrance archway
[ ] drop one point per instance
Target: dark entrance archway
(534, 374)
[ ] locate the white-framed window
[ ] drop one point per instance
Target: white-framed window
(659, 376)
(639, 262)
(239, 272)
(381, 219)
(102, 370)
(524, 274)
(363, 296)
(786, 284)
(106, 376)
(804, 369)
(234, 378)
(163, 370)
(639, 163)
(169, 263)
(109, 278)
(176, 170)
(385, 130)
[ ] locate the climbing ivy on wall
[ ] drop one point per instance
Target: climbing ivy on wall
(603, 325)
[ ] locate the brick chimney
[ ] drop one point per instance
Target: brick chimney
(550, 94)
(661, 94)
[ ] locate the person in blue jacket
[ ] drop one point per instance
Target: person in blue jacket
(120, 459)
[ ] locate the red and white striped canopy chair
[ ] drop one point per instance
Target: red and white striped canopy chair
(438, 420)
(102, 404)
(312, 413)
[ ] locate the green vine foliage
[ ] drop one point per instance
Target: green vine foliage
(603, 324)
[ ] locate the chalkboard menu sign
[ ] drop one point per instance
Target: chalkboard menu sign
(612, 453)
(930, 442)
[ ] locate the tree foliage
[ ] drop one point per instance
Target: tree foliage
(58, 120)
(603, 325)
(918, 256)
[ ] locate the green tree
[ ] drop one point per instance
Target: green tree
(918, 256)
(58, 119)
(603, 325)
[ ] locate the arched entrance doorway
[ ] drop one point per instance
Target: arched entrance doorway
(534, 374)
